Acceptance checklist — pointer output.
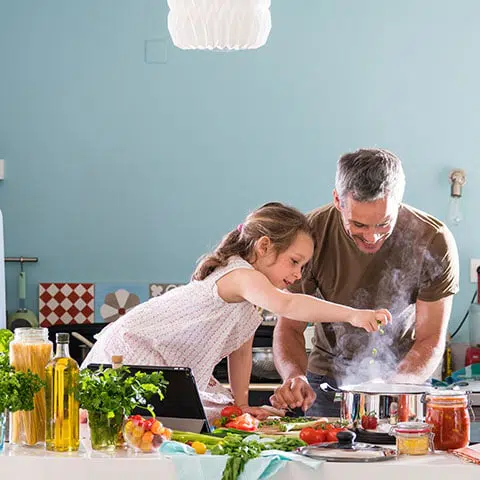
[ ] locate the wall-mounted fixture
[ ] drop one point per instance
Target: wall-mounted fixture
(219, 24)
(457, 180)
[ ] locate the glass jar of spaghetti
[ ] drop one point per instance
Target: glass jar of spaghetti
(447, 412)
(30, 350)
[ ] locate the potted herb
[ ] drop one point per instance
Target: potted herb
(17, 389)
(111, 394)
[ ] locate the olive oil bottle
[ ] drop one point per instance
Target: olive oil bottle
(61, 393)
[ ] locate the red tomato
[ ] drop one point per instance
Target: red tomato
(312, 435)
(320, 436)
(147, 424)
(231, 411)
(332, 436)
(137, 420)
(308, 435)
(244, 422)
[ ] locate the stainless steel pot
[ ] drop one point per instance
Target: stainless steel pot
(390, 403)
(263, 365)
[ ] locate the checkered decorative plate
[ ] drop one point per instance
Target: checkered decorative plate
(66, 303)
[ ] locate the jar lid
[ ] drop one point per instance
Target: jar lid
(413, 427)
(455, 392)
(31, 334)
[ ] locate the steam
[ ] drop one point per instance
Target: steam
(400, 281)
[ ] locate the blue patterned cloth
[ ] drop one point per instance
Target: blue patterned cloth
(210, 467)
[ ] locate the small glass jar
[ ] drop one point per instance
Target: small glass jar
(30, 350)
(413, 438)
(447, 412)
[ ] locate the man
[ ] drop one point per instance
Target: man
(371, 251)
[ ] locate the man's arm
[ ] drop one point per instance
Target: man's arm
(291, 363)
(430, 335)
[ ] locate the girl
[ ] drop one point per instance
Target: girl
(216, 314)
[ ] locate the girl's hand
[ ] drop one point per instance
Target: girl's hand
(258, 412)
(371, 320)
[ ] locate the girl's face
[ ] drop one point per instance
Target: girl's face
(284, 268)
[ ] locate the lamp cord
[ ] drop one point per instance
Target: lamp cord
(465, 317)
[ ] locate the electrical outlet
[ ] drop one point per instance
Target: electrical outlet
(474, 264)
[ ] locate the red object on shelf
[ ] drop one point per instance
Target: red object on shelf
(472, 355)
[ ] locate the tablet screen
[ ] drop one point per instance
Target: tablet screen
(181, 408)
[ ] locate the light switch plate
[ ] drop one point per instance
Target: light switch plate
(474, 263)
(2, 169)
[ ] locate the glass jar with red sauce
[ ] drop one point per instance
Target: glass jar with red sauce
(447, 412)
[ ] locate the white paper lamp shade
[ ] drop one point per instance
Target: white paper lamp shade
(219, 24)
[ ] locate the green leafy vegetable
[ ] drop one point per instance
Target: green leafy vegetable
(286, 444)
(17, 388)
(239, 453)
(6, 336)
(115, 390)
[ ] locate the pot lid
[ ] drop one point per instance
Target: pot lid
(438, 392)
(346, 450)
(386, 388)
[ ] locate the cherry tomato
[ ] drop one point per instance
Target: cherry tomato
(199, 447)
(147, 424)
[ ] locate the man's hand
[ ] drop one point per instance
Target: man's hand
(294, 392)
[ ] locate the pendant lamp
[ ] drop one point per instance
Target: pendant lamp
(219, 24)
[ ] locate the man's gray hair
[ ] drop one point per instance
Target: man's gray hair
(369, 174)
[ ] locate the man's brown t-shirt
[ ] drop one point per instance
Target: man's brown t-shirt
(418, 261)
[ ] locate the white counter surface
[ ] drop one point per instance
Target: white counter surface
(38, 464)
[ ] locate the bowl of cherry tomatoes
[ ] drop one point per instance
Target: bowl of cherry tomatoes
(145, 434)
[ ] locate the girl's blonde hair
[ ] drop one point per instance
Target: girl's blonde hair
(280, 223)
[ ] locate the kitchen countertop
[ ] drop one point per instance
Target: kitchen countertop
(21, 462)
(258, 387)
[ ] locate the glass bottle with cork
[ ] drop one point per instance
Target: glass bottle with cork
(30, 350)
(117, 362)
(61, 393)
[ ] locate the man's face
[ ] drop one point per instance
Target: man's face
(369, 224)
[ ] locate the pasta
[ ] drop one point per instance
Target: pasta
(29, 427)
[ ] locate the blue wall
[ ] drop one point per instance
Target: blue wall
(119, 170)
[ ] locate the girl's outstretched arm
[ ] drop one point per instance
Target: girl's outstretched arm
(254, 287)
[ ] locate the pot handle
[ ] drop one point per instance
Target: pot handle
(326, 387)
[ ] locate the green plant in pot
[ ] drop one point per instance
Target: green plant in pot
(17, 389)
(111, 394)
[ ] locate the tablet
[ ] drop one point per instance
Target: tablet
(181, 408)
